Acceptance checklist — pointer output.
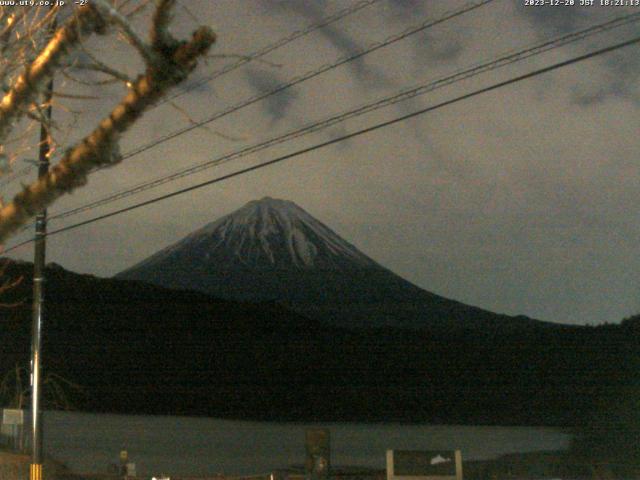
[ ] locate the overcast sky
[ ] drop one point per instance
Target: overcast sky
(522, 201)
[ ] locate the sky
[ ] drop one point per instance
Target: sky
(522, 200)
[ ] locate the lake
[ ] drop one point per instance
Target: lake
(207, 446)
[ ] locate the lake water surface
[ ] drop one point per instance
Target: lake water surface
(206, 446)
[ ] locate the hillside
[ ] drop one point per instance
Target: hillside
(138, 348)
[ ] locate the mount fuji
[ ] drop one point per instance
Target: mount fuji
(273, 250)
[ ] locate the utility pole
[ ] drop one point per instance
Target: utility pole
(35, 472)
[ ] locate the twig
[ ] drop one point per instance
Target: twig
(127, 30)
(99, 148)
(186, 115)
(137, 9)
(160, 37)
(245, 57)
(102, 67)
(38, 72)
(89, 83)
(75, 96)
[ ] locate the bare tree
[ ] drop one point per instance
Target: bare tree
(15, 390)
(29, 60)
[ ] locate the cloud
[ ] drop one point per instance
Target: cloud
(625, 66)
(264, 81)
(521, 200)
(315, 12)
(197, 85)
(439, 48)
(554, 20)
(444, 46)
(613, 75)
(408, 9)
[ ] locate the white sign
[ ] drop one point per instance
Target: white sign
(424, 465)
(11, 416)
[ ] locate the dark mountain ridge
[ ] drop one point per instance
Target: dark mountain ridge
(137, 348)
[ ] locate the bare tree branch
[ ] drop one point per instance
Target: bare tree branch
(113, 16)
(174, 63)
(7, 31)
(33, 79)
(160, 36)
(189, 119)
(93, 83)
(9, 284)
(99, 66)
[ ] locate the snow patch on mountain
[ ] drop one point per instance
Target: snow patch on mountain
(266, 233)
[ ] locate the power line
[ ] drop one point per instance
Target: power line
(310, 74)
(507, 59)
(345, 137)
(274, 46)
(339, 15)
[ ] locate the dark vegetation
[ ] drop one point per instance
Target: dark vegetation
(610, 433)
(137, 348)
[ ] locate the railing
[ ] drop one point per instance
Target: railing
(276, 475)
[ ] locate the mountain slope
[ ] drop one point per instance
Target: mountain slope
(266, 234)
(273, 250)
(139, 348)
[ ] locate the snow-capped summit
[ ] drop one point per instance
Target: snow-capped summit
(278, 233)
(267, 233)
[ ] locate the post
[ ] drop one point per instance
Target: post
(35, 472)
(317, 445)
(124, 459)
